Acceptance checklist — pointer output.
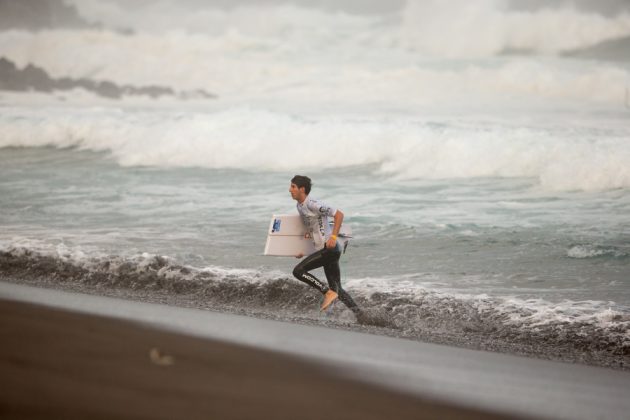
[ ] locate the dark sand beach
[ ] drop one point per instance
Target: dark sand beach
(60, 364)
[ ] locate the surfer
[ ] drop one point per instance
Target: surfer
(315, 216)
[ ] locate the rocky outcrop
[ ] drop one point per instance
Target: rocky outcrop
(33, 78)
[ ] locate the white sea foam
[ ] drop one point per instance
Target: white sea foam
(304, 54)
(527, 313)
(538, 312)
(456, 28)
(405, 148)
(591, 251)
(242, 69)
(92, 259)
(415, 310)
(488, 27)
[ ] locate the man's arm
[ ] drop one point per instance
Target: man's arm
(338, 220)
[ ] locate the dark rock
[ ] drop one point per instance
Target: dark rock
(108, 89)
(609, 50)
(35, 78)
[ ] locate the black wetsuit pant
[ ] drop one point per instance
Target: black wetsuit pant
(329, 259)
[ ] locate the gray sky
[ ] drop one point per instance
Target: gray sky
(56, 13)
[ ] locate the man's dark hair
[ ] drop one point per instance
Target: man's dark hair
(302, 181)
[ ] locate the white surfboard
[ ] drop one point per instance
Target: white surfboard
(285, 237)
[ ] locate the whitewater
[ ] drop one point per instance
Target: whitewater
(483, 165)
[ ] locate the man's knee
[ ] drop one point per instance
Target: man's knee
(298, 271)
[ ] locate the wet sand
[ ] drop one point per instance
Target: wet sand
(60, 364)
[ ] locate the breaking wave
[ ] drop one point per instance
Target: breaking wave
(246, 69)
(594, 251)
(488, 27)
(455, 28)
(407, 310)
(427, 52)
(244, 138)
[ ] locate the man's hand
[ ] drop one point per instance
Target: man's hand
(300, 255)
(332, 241)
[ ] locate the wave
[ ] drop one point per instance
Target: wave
(410, 310)
(595, 251)
(246, 69)
(489, 27)
(248, 139)
(483, 28)
(299, 53)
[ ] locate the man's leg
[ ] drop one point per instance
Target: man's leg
(333, 275)
(301, 271)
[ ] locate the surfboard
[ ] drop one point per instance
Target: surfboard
(285, 236)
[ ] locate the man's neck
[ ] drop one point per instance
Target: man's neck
(303, 200)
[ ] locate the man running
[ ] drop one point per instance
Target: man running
(315, 215)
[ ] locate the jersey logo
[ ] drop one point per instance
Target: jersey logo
(276, 225)
(323, 210)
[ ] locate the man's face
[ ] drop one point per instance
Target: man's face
(295, 191)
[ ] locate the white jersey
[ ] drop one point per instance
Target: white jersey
(315, 215)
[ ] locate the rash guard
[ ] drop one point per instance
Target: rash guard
(315, 215)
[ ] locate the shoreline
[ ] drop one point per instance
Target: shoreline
(485, 381)
(62, 364)
(472, 341)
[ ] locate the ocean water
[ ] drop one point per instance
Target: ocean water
(484, 171)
